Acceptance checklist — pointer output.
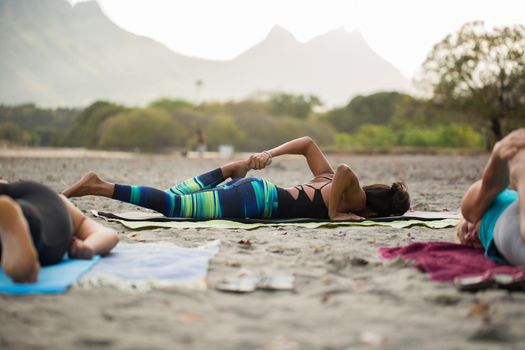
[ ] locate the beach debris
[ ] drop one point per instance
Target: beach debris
(276, 280)
(243, 282)
(473, 283)
(318, 250)
(190, 317)
(478, 309)
(510, 281)
(137, 238)
(358, 262)
(337, 263)
(325, 297)
(233, 263)
(372, 338)
(445, 300)
(246, 281)
(245, 243)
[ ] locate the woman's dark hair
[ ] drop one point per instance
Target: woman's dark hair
(387, 200)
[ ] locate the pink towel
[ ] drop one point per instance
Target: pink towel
(448, 261)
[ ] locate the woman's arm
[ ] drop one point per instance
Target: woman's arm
(346, 195)
(89, 237)
(495, 177)
(305, 146)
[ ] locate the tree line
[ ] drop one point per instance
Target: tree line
(474, 82)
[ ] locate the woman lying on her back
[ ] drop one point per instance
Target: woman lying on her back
(38, 226)
(335, 195)
(494, 213)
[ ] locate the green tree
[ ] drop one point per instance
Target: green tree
(222, 129)
(170, 105)
(450, 135)
(481, 72)
(375, 136)
(148, 129)
(12, 133)
(185, 113)
(377, 108)
(44, 125)
(296, 106)
(85, 130)
(411, 112)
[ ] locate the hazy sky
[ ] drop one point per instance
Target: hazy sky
(401, 31)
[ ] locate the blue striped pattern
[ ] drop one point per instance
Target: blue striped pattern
(240, 198)
(205, 181)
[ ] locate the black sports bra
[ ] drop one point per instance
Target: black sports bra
(302, 207)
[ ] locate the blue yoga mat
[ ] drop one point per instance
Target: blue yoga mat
(52, 279)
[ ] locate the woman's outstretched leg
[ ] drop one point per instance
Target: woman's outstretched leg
(19, 257)
(144, 196)
(148, 197)
(175, 202)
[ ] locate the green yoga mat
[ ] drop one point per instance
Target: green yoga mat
(142, 220)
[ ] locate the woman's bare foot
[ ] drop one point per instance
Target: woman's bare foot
(235, 170)
(19, 257)
(90, 184)
(240, 170)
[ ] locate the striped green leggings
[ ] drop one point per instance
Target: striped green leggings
(203, 197)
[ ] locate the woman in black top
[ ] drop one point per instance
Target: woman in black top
(38, 226)
(335, 195)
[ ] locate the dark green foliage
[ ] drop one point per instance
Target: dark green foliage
(222, 129)
(29, 116)
(372, 136)
(171, 106)
(481, 73)
(148, 129)
(85, 130)
(452, 136)
(41, 126)
(12, 133)
(380, 121)
(377, 108)
(296, 106)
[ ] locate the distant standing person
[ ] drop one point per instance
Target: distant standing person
(201, 142)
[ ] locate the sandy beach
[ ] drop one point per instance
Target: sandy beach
(345, 295)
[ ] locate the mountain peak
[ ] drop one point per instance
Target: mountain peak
(71, 42)
(279, 33)
(87, 8)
